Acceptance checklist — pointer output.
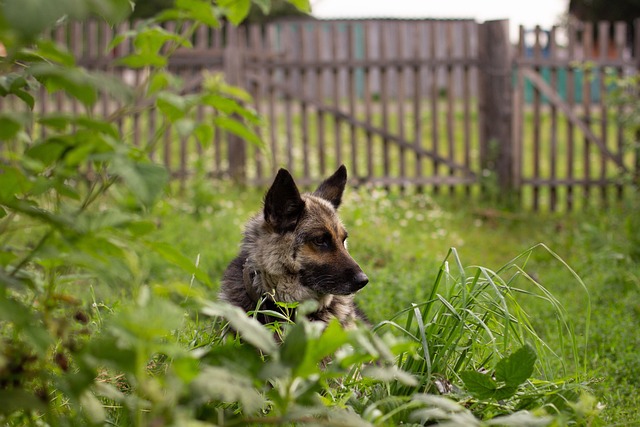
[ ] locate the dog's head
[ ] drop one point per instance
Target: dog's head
(319, 239)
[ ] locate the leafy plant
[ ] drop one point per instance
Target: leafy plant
(467, 322)
(74, 191)
(510, 372)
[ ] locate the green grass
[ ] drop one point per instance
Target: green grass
(401, 241)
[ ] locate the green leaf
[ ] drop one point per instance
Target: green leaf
(107, 351)
(235, 357)
(219, 384)
(170, 15)
(62, 121)
(120, 38)
(264, 5)
(48, 151)
(294, 348)
(236, 10)
(235, 92)
(14, 311)
(481, 386)
(30, 17)
(19, 400)
(230, 106)
(50, 51)
(221, 103)
(113, 11)
(79, 154)
(9, 126)
(505, 392)
(204, 133)
(26, 97)
(145, 180)
(141, 228)
(12, 182)
(75, 81)
(173, 106)
(333, 337)
(186, 368)
(92, 408)
(66, 190)
(518, 367)
(389, 374)
(523, 419)
(10, 82)
(95, 221)
(175, 257)
(199, 11)
(136, 60)
(159, 80)
(301, 5)
(101, 126)
(57, 121)
(185, 127)
(249, 328)
(151, 320)
(238, 128)
(38, 336)
(150, 40)
(32, 210)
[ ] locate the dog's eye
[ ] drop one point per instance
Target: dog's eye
(322, 241)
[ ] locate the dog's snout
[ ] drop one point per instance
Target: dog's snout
(361, 280)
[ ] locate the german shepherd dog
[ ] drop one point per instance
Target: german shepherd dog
(295, 251)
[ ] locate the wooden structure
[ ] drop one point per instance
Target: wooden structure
(437, 104)
(569, 147)
(390, 98)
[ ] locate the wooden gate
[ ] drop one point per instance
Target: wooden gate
(395, 100)
(570, 145)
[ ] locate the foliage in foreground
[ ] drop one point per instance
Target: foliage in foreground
(168, 358)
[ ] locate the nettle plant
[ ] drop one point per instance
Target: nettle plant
(74, 194)
(87, 336)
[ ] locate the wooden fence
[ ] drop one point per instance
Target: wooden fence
(445, 105)
(391, 99)
(570, 142)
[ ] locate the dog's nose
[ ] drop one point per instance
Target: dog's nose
(361, 280)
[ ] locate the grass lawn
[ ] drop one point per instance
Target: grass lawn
(401, 240)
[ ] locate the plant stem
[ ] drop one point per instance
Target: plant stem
(31, 254)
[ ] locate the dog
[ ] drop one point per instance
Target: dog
(295, 250)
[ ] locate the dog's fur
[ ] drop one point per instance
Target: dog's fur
(295, 251)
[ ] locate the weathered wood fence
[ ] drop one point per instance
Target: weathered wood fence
(570, 141)
(444, 105)
(392, 99)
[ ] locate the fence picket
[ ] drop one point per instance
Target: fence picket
(434, 97)
(553, 128)
(416, 36)
(571, 161)
(587, 47)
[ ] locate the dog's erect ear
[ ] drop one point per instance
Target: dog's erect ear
(283, 204)
(332, 188)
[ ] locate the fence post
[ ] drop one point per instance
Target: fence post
(496, 103)
(636, 53)
(233, 70)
